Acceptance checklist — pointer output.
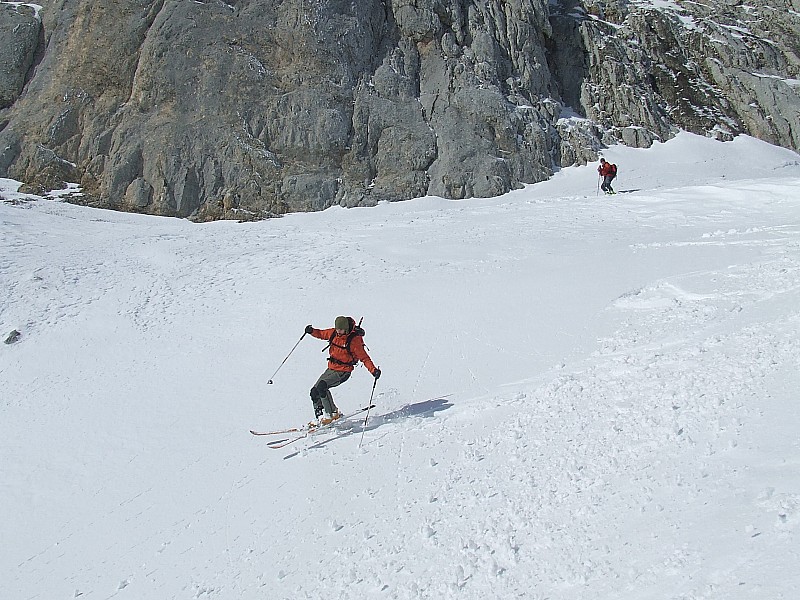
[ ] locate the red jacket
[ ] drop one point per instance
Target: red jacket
(606, 169)
(340, 358)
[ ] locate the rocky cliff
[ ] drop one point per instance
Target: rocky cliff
(250, 108)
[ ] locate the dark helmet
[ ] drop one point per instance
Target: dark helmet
(342, 323)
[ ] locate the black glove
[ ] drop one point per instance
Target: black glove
(309, 329)
(376, 373)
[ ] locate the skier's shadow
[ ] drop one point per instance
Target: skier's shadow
(423, 410)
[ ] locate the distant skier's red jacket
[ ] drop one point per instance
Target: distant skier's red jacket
(342, 358)
(606, 169)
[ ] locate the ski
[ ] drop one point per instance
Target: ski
(279, 431)
(305, 429)
(282, 443)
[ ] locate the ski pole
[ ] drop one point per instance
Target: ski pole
(364, 428)
(287, 358)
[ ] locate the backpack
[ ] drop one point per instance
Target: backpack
(613, 170)
(357, 330)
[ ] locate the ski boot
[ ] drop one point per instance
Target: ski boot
(328, 419)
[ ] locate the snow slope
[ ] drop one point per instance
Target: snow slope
(584, 397)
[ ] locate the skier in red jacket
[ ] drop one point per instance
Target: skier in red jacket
(346, 349)
(609, 172)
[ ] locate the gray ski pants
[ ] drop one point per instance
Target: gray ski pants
(321, 393)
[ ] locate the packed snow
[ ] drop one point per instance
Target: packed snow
(583, 396)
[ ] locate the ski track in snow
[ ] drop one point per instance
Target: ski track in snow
(581, 399)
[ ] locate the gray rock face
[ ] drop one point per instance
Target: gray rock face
(251, 108)
(20, 29)
(717, 68)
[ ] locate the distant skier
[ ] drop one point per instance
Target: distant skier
(608, 171)
(346, 345)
